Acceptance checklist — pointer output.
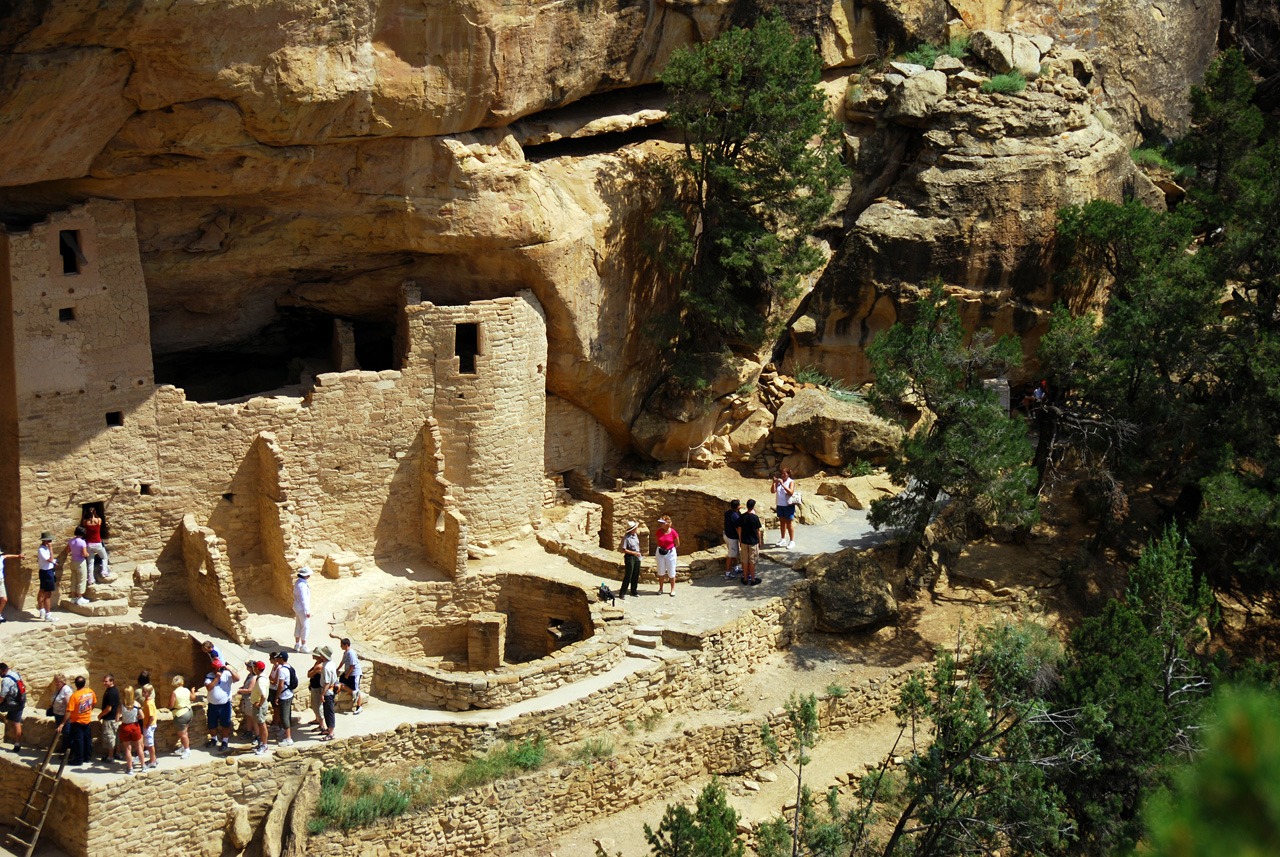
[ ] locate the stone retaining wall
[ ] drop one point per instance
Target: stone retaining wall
(608, 563)
(401, 638)
(511, 814)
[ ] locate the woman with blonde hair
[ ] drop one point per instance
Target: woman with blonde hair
(149, 717)
(131, 728)
(667, 540)
(180, 706)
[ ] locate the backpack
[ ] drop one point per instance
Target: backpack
(22, 691)
(606, 594)
(293, 677)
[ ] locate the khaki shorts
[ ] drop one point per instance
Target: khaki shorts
(751, 554)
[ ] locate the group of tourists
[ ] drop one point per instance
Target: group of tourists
(743, 534)
(86, 556)
(127, 717)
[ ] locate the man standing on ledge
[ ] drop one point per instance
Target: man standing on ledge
(301, 609)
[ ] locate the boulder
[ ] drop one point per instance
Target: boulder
(835, 432)
(857, 492)
(911, 101)
(748, 438)
(948, 64)
(848, 591)
(801, 464)
(239, 831)
(1026, 57)
(994, 49)
(816, 511)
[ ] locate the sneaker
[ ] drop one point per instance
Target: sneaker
(357, 709)
(287, 742)
(51, 617)
(737, 569)
(185, 753)
(226, 748)
(150, 766)
(754, 581)
(257, 742)
(129, 772)
(304, 648)
(260, 750)
(17, 748)
(791, 545)
(82, 601)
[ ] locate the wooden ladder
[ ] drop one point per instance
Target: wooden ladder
(27, 828)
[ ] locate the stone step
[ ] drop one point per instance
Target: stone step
(113, 607)
(612, 614)
(647, 631)
(644, 642)
(643, 654)
(117, 587)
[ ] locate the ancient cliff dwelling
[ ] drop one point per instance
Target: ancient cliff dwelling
(479, 428)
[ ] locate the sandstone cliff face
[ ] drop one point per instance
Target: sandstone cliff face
(308, 155)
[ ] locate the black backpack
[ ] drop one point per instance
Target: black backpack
(293, 677)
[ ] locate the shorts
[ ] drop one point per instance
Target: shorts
(110, 729)
(667, 565)
(751, 554)
(13, 711)
(786, 513)
(285, 707)
(351, 682)
(219, 716)
(732, 545)
(260, 713)
(149, 736)
(183, 720)
(48, 581)
(130, 732)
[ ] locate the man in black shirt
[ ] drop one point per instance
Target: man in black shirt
(109, 717)
(749, 543)
(731, 540)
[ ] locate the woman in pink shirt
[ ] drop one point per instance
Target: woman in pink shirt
(667, 540)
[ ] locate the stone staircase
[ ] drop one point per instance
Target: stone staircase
(105, 599)
(645, 642)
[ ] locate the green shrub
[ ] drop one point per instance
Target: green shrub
(957, 47)
(651, 720)
(593, 749)
(858, 467)
(837, 690)
(1006, 84)
(346, 802)
(923, 55)
(1156, 159)
(503, 761)
(837, 390)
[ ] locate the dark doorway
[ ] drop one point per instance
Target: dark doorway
(466, 345)
(69, 248)
(375, 345)
(101, 510)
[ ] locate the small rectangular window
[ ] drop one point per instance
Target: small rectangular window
(144, 489)
(67, 314)
(73, 259)
(115, 418)
(466, 345)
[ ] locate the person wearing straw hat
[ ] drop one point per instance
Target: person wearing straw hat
(328, 675)
(301, 609)
(48, 571)
(630, 559)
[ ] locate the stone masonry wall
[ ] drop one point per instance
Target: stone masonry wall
(210, 586)
(575, 440)
(492, 420)
(89, 425)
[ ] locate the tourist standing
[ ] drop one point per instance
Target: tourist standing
(630, 559)
(349, 674)
(301, 609)
(109, 717)
(79, 722)
(78, 553)
(316, 691)
(749, 534)
(260, 706)
(667, 540)
(731, 563)
(13, 703)
(328, 676)
(48, 572)
(218, 683)
(131, 729)
(92, 524)
(285, 681)
(180, 707)
(784, 488)
(61, 696)
(150, 716)
(4, 589)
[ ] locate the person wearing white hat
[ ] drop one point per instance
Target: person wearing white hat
(630, 559)
(301, 609)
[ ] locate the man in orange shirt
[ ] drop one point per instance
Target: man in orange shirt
(79, 718)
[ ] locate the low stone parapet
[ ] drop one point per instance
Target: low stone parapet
(609, 563)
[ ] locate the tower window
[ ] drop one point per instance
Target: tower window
(115, 418)
(67, 314)
(466, 345)
(73, 259)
